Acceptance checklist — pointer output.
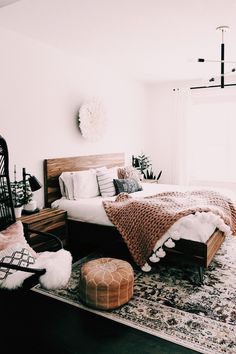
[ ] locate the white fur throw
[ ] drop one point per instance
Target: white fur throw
(14, 249)
(58, 267)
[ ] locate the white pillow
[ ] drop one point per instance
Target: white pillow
(66, 185)
(101, 168)
(114, 170)
(105, 181)
(62, 187)
(85, 184)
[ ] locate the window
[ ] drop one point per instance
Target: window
(211, 137)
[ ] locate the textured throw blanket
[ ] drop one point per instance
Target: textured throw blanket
(143, 221)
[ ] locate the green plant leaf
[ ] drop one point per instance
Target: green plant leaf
(159, 175)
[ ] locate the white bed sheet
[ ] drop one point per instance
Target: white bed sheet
(196, 227)
(91, 210)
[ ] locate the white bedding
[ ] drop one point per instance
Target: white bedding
(195, 227)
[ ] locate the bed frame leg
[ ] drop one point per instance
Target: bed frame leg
(200, 273)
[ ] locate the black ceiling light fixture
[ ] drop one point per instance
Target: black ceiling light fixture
(222, 62)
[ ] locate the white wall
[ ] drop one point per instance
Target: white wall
(159, 144)
(41, 90)
(167, 141)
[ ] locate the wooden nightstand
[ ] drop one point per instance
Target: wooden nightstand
(48, 220)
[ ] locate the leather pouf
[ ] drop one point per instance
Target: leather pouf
(106, 283)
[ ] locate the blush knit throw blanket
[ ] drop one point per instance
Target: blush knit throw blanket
(143, 221)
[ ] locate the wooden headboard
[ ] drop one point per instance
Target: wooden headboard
(54, 167)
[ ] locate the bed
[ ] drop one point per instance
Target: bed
(188, 250)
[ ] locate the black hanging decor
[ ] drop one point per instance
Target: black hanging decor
(222, 62)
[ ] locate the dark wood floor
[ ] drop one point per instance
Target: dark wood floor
(33, 323)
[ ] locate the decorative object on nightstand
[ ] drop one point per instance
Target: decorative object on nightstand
(46, 220)
(147, 180)
(143, 164)
(31, 205)
(22, 193)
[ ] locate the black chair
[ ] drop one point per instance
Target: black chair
(7, 218)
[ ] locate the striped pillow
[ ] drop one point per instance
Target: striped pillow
(105, 182)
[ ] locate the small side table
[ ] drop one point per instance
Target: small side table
(48, 220)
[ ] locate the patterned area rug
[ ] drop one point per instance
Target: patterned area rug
(167, 304)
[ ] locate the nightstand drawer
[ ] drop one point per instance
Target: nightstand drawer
(49, 224)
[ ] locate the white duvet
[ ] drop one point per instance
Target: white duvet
(196, 227)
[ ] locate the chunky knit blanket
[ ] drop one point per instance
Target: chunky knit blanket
(143, 221)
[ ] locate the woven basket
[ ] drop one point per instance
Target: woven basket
(106, 283)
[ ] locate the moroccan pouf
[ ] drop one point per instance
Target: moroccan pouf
(106, 283)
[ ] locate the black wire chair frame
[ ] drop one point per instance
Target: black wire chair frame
(7, 213)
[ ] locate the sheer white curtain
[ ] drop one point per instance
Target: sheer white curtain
(204, 142)
(211, 137)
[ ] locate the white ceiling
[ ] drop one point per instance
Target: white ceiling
(6, 2)
(153, 40)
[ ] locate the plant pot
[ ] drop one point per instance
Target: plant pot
(141, 176)
(18, 211)
(31, 206)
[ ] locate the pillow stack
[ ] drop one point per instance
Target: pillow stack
(103, 181)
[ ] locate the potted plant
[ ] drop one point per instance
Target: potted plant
(150, 174)
(143, 164)
(21, 195)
